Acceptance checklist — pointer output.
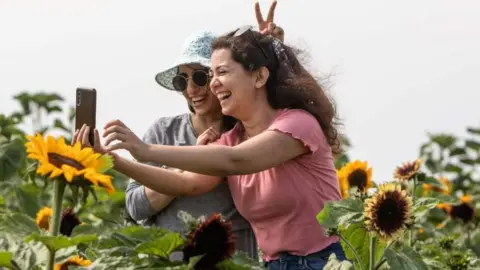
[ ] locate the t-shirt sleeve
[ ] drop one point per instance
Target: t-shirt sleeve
(302, 126)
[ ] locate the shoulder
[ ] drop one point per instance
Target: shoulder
(167, 121)
(295, 118)
(165, 126)
(301, 125)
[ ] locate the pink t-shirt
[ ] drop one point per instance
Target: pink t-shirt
(281, 203)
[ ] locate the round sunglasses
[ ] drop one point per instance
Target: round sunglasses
(199, 78)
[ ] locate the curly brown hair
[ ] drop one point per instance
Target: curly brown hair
(289, 85)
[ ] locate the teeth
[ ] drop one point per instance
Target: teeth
(223, 95)
(196, 99)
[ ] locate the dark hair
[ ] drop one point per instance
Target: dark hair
(290, 85)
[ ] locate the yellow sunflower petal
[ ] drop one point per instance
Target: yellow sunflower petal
(43, 218)
(57, 159)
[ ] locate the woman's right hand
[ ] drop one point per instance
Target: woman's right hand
(208, 136)
(81, 136)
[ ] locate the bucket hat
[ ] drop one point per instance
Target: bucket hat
(196, 49)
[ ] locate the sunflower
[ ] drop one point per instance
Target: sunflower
(72, 261)
(68, 220)
(463, 211)
(445, 189)
(407, 170)
(77, 165)
(214, 239)
(388, 212)
(43, 218)
(355, 174)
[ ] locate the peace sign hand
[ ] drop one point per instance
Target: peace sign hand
(268, 27)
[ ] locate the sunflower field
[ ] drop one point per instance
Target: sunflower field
(62, 207)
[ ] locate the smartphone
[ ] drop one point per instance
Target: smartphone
(86, 110)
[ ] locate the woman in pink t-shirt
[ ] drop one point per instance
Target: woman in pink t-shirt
(277, 159)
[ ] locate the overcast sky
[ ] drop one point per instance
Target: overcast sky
(401, 68)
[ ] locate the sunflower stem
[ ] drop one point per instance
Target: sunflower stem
(382, 259)
(410, 233)
(357, 257)
(57, 198)
(373, 247)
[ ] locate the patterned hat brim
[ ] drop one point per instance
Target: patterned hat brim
(165, 77)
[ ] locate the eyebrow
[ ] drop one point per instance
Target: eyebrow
(221, 65)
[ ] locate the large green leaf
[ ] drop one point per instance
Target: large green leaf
(162, 246)
(344, 212)
(6, 259)
(12, 154)
(19, 224)
(28, 199)
(359, 238)
(60, 241)
(406, 259)
(423, 205)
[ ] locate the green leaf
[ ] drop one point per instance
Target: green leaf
(359, 238)
(344, 212)
(474, 145)
(457, 152)
(468, 161)
(107, 163)
(423, 205)
(162, 246)
(443, 140)
(475, 131)
(442, 197)
(6, 259)
(28, 200)
(19, 223)
(12, 154)
(453, 168)
(60, 125)
(432, 182)
(60, 241)
(407, 259)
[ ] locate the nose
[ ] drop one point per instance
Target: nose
(192, 88)
(214, 84)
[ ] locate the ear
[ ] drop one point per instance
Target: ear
(262, 75)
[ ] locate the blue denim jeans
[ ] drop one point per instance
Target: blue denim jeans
(315, 261)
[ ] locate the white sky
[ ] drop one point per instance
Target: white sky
(401, 68)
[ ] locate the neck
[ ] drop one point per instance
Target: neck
(203, 122)
(259, 119)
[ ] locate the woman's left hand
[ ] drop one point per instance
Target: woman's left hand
(117, 130)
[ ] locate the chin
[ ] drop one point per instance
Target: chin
(227, 111)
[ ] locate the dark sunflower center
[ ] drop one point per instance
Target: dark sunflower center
(68, 222)
(463, 211)
(358, 178)
(391, 213)
(59, 160)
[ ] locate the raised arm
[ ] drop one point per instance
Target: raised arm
(266, 150)
(165, 181)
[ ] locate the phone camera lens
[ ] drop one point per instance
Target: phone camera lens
(79, 98)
